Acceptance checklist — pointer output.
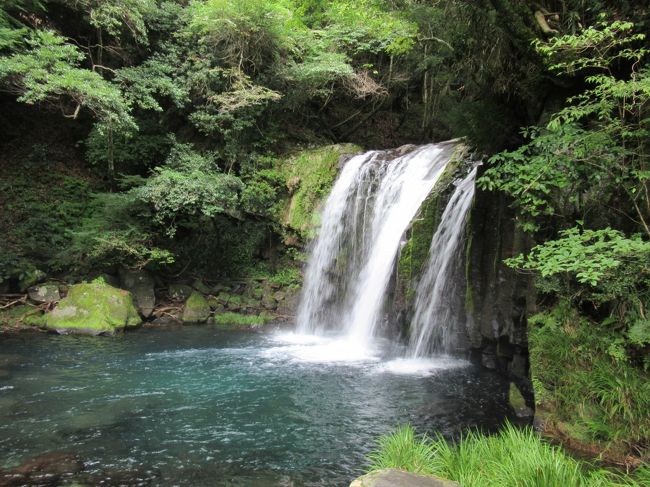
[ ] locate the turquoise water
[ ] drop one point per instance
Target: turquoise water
(202, 406)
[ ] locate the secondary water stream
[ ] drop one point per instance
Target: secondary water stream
(436, 325)
(201, 406)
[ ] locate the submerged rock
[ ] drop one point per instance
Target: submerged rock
(141, 285)
(518, 403)
(197, 309)
(44, 293)
(397, 478)
(93, 308)
(46, 469)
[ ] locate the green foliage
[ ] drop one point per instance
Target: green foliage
(403, 450)
(237, 319)
(46, 70)
(582, 376)
(596, 46)
(128, 153)
(40, 205)
(289, 277)
(513, 458)
(143, 85)
(189, 184)
(117, 17)
(113, 232)
(259, 198)
(592, 152)
(592, 256)
(589, 355)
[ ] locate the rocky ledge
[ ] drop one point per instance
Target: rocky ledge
(397, 478)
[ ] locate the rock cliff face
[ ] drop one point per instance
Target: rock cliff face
(492, 299)
(498, 299)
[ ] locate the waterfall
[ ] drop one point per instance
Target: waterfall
(432, 328)
(365, 216)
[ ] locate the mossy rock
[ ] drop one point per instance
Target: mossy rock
(93, 308)
(258, 292)
(309, 176)
(234, 302)
(518, 403)
(44, 293)
(197, 309)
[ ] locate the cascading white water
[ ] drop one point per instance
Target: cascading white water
(371, 205)
(432, 328)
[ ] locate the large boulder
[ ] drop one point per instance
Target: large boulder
(197, 309)
(141, 285)
(397, 478)
(44, 293)
(93, 308)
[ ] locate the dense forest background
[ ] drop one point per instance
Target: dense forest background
(171, 135)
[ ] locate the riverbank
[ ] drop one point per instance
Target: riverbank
(513, 457)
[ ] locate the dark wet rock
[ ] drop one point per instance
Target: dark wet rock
(44, 293)
(141, 285)
(164, 320)
(111, 280)
(45, 470)
(519, 366)
(179, 292)
(397, 478)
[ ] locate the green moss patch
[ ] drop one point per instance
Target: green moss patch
(237, 319)
(93, 308)
(309, 176)
(20, 316)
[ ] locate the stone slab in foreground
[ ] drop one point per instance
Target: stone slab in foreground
(397, 478)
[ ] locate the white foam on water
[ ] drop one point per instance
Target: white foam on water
(319, 349)
(420, 366)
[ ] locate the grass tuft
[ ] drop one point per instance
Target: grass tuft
(513, 458)
(237, 319)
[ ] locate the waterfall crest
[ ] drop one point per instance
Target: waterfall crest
(365, 216)
(432, 328)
